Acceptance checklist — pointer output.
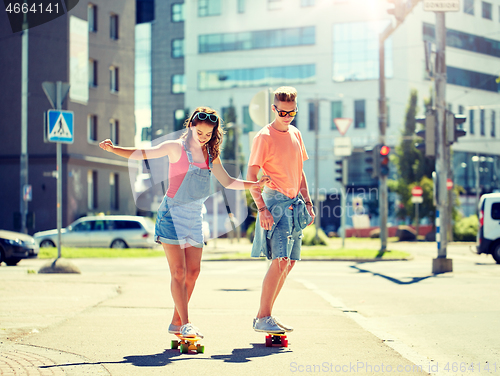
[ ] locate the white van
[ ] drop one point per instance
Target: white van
(488, 236)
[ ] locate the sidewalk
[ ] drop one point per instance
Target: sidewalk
(112, 320)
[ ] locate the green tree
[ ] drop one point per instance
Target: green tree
(413, 168)
(229, 116)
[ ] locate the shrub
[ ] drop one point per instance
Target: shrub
(310, 236)
(466, 229)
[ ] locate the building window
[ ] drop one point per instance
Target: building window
(113, 26)
(307, 3)
(359, 114)
(179, 118)
(92, 17)
(311, 113)
(355, 51)
(177, 48)
(482, 121)
(493, 124)
(241, 6)
(145, 11)
(336, 112)
(92, 189)
(178, 84)
(114, 191)
(113, 79)
(114, 131)
(471, 121)
(469, 7)
(461, 111)
(146, 134)
(297, 36)
(92, 128)
(251, 77)
(92, 73)
(487, 10)
(209, 8)
(475, 80)
(464, 41)
(247, 120)
(178, 12)
(274, 4)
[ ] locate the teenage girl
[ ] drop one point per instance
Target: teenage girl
(192, 159)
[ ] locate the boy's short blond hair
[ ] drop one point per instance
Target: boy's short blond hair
(285, 94)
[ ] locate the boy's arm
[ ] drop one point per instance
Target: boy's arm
(266, 218)
(305, 194)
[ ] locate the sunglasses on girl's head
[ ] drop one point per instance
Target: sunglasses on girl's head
(282, 113)
(202, 116)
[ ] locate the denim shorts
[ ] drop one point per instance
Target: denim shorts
(179, 224)
(283, 243)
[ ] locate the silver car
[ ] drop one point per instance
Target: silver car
(108, 231)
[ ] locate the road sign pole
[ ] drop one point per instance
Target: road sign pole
(383, 206)
(345, 166)
(417, 220)
(24, 129)
(59, 174)
(317, 221)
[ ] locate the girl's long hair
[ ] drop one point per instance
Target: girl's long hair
(217, 134)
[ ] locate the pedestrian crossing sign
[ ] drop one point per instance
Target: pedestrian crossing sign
(60, 126)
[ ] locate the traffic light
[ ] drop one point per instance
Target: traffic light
(384, 160)
(428, 133)
(398, 10)
(372, 159)
(453, 127)
(339, 170)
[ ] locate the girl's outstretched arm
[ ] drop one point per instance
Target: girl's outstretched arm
(167, 148)
(233, 183)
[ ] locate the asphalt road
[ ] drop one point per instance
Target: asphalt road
(368, 318)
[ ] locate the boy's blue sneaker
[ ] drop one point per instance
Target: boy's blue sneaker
(286, 328)
(267, 325)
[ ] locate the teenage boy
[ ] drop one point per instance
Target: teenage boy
(284, 205)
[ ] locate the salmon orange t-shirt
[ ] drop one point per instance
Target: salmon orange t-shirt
(280, 155)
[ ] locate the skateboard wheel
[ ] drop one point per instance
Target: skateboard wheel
(200, 349)
(174, 344)
(184, 348)
(284, 342)
(269, 341)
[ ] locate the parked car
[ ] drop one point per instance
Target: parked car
(106, 231)
(15, 246)
(488, 236)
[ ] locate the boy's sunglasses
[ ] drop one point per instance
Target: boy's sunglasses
(202, 116)
(282, 113)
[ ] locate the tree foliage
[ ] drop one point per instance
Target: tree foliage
(413, 168)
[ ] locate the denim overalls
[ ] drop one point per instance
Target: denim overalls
(179, 219)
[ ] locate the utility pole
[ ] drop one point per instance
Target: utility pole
(399, 11)
(24, 126)
(441, 264)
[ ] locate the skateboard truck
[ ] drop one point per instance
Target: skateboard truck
(185, 344)
(278, 339)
